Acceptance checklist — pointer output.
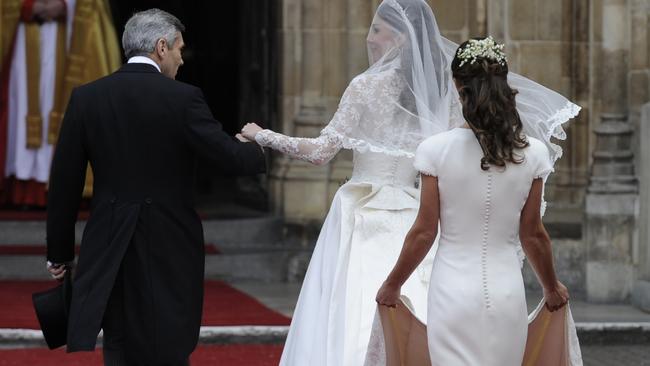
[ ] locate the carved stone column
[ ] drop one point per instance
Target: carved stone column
(497, 20)
(289, 89)
(301, 187)
(358, 17)
(641, 293)
(612, 201)
(639, 101)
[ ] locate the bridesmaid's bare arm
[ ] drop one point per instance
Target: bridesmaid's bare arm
(417, 244)
(537, 246)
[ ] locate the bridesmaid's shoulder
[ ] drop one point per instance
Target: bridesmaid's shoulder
(536, 145)
(536, 149)
(374, 79)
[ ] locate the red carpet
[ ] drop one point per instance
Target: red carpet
(226, 355)
(223, 305)
(40, 215)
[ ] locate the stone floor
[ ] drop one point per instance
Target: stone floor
(635, 355)
(282, 297)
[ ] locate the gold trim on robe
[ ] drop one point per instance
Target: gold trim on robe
(10, 13)
(61, 61)
(34, 118)
(9, 19)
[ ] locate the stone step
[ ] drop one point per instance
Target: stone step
(256, 263)
(267, 230)
(564, 230)
(570, 258)
(247, 248)
(271, 265)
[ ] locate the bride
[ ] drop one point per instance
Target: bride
(406, 95)
(383, 115)
(477, 304)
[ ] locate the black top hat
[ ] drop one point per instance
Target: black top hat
(52, 308)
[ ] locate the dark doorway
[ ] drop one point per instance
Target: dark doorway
(229, 56)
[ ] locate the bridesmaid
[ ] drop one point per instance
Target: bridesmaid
(483, 184)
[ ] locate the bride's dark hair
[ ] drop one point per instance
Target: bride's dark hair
(489, 108)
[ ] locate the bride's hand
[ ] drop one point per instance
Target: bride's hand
(556, 297)
(388, 295)
(250, 130)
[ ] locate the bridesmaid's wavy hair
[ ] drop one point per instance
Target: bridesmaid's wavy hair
(489, 108)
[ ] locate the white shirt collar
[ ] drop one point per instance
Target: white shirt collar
(143, 60)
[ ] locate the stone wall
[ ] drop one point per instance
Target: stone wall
(641, 291)
(549, 41)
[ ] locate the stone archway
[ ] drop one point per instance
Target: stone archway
(230, 55)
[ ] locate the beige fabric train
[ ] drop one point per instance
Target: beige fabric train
(399, 338)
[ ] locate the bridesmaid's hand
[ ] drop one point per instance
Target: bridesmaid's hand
(49, 10)
(556, 297)
(250, 130)
(388, 295)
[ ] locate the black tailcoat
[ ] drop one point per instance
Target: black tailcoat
(142, 134)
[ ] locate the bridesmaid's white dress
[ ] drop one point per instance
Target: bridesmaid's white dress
(477, 312)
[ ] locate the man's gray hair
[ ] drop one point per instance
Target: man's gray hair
(144, 29)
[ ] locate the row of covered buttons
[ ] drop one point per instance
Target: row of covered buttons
(486, 218)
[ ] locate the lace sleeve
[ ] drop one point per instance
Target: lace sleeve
(317, 151)
(322, 149)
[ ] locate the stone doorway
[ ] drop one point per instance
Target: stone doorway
(229, 56)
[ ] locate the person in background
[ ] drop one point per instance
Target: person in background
(47, 48)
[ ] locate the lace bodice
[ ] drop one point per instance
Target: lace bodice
(380, 169)
(367, 120)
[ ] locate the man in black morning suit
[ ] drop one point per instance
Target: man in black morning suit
(140, 270)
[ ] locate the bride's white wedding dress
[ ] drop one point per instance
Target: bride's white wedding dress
(476, 277)
(406, 95)
(363, 233)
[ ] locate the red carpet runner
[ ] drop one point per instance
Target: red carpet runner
(223, 305)
(228, 355)
(36, 215)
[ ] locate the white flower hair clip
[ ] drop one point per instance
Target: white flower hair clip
(484, 48)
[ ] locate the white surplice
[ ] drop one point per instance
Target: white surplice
(22, 162)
